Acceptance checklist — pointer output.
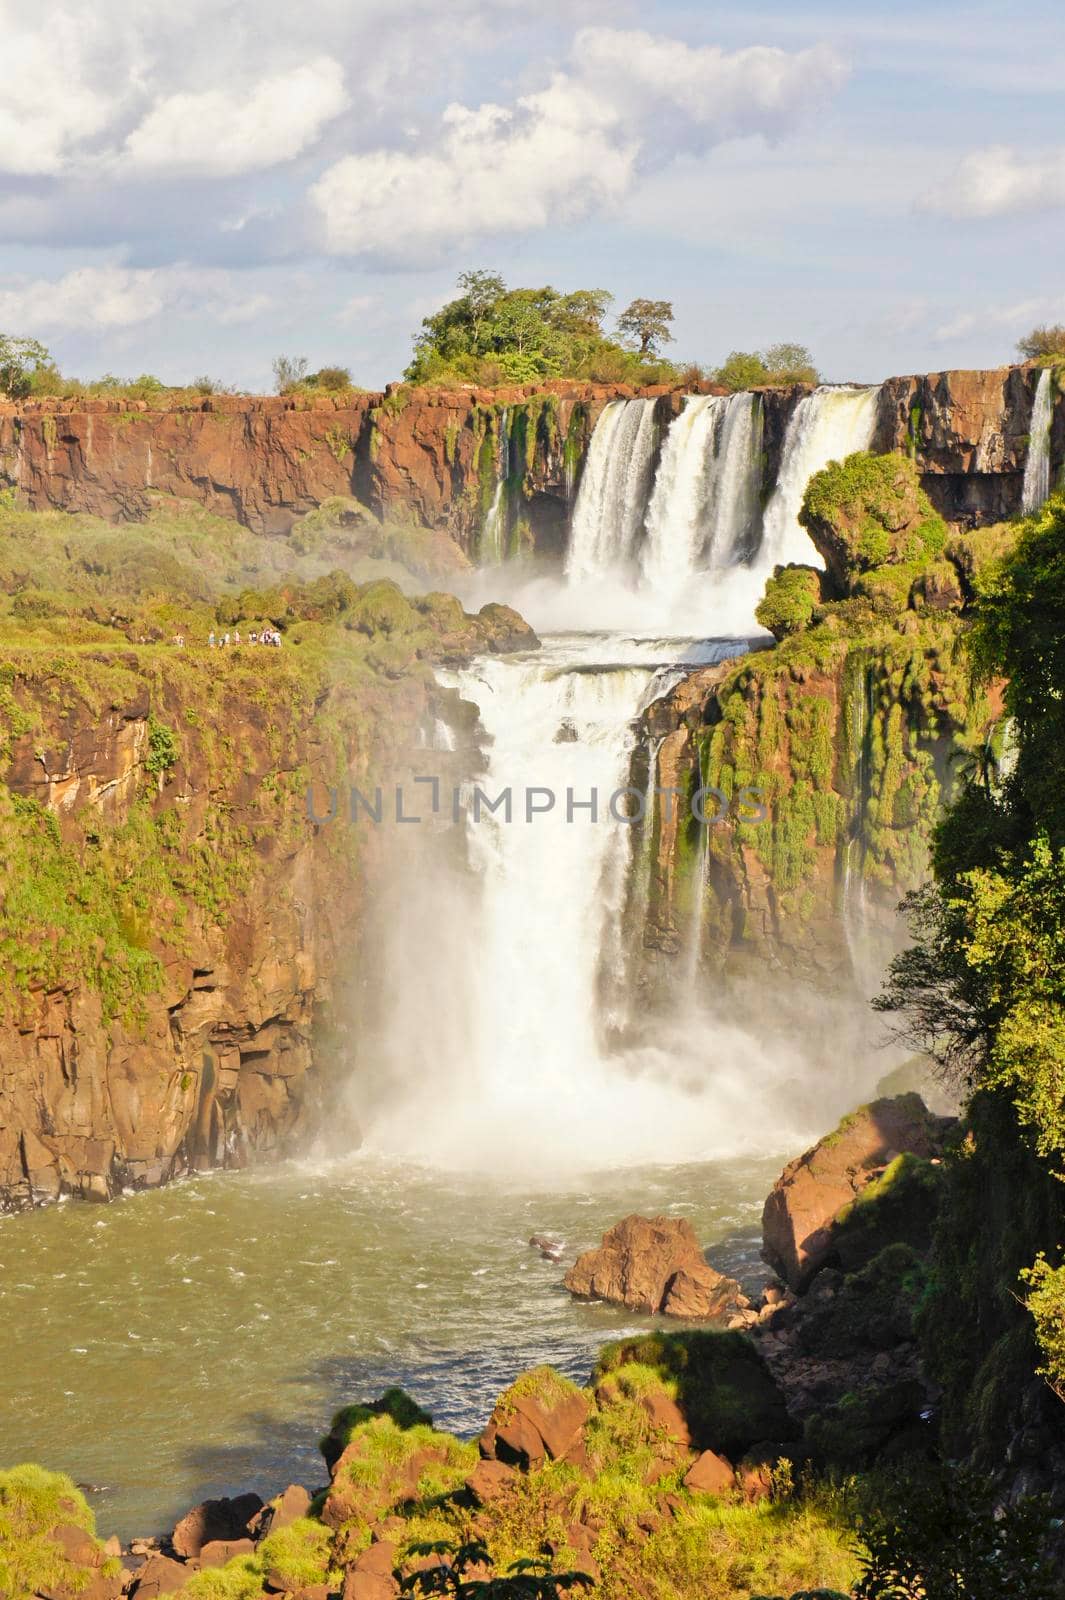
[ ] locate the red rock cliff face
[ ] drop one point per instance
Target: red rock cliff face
(435, 456)
(214, 1065)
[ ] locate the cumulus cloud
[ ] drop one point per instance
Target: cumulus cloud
(114, 297)
(1000, 181)
(221, 133)
(630, 100)
(47, 109)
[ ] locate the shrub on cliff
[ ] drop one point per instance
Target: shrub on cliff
(777, 367)
(867, 512)
(791, 595)
(491, 334)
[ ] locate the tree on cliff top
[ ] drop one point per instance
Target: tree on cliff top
(21, 360)
(776, 367)
(647, 322)
(492, 334)
(1044, 343)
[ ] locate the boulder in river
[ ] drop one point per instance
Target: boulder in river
(654, 1264)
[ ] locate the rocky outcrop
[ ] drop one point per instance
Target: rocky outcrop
(824, 764)
(438, 456)
(803, 1214)
(968, 434)
(178, 915)
(655, 1265)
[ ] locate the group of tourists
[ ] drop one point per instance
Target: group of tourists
(267, 636)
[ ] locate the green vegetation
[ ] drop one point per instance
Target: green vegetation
(33, 1503)
(791, 595)
(491, 335)
(777, 367)
(647, 323)
(868, 512)
(982, 988)
(1045, 343)
(719, 1380)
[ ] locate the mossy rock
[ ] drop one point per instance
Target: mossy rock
(382, 607)
(394, 1403)
(791, 596)
(898, 1207)
(721, 1384)
(867, 1424)
(41, 1515)
(872, 1309)
(867, 512)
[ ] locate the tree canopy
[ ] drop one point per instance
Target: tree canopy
(775, 367)
(1047, 342)
(490, 334)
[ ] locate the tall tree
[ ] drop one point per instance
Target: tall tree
(647, 322)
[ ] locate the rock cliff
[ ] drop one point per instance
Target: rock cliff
(176, 926)
(439, 456)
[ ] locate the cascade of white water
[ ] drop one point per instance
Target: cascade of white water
(612, 499)
(494, 533)
(1037, 467)
(704, 508)
(825, 426)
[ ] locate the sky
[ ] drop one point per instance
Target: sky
(195, 188)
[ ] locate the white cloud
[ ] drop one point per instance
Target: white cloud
(222, 132)
(999, 181)
(46, 108)
(108, 298)
(631, 100)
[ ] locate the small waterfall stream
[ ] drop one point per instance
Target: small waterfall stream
(825, 426)
(1037, 467)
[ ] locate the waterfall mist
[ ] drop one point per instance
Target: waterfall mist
(503, 1028)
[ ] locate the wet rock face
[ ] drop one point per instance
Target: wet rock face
(655, 1264)
(803, 1215)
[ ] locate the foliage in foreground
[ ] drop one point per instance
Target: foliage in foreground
(33, 1502)
(982, 989)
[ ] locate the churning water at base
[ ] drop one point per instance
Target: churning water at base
(1037, 467)
(528, 1082)
(827, 425)
(195, 1341)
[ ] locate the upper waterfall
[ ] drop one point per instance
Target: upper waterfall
(608, 517)
(705, 507)
(825, 426)
(1037, 467)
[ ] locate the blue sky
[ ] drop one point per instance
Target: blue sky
(197, 188)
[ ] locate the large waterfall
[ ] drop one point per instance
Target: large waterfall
(525, 1015)
(1037, 467)
(825, 426)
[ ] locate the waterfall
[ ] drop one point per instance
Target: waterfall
(612, 499)
(827, 425)
(705, 505)
(1037, 467)
(493, 542)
